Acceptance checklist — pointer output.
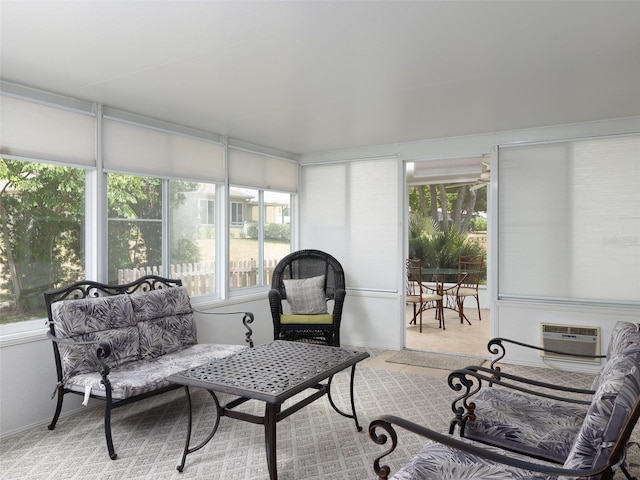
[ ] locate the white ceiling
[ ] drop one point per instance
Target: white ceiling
(308, 76)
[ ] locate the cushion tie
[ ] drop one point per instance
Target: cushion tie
(87, 394)
(55, 389)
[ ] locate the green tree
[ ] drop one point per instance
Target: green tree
(449, 205)
(439, 248)
(135, 223)
(42, 225)
(441, 216)
(42, 229)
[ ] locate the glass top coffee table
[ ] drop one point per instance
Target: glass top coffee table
(272, 373)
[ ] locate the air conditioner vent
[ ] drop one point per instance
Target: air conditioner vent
(572, 339)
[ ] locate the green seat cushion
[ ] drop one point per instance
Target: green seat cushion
(321, 319)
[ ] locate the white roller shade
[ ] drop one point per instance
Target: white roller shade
(569, 220)
(256, 170)
(38, 131)
(351, 211)
(136, 149)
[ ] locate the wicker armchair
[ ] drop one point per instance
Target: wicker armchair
(306, 298)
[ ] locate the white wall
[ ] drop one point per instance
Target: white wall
(27, 380)
(521, 321)
(373, 319)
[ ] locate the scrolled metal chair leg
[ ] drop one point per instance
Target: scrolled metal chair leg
(380, 439)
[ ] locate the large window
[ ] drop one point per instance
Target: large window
(42, 234)
(568, 222)
(258, 243)
(136, 231)
(154, 199)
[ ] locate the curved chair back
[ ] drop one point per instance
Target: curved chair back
(307, 264)
(469, 276)
(470, 270)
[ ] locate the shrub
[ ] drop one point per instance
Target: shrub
(441, 249)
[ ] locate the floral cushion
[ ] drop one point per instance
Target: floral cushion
(161, 303)
(609, 410)
(525, 423)
(93, 314)
(105, 319)
(135, 378)
(78, 359)
(624, 337)
(439, 462)
(165, 321)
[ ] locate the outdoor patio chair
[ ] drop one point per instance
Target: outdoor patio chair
(469, 275)
(420, 295)
(306, 298)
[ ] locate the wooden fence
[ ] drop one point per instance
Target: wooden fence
(200, 278)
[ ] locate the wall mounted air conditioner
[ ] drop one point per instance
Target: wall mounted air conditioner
(573, 339)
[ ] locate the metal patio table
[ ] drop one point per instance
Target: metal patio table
(447, 291)
(272, 373)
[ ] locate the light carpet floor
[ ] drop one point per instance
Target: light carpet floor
(314, 443)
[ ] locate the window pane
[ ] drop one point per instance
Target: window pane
(192, 235)
(237, 214)
(277, 230)
(243, 237)
(245, 242)
(42, 215)
(135, 227)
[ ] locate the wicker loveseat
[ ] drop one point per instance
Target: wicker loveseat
(119, 343)
(584, 440)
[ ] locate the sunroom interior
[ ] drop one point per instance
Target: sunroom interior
(316, 109)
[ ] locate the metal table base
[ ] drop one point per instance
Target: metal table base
(271, 373)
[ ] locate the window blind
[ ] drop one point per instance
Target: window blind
(43, 132)
(569, 220)
(349, 210)
(138, 149)
(253, 169)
